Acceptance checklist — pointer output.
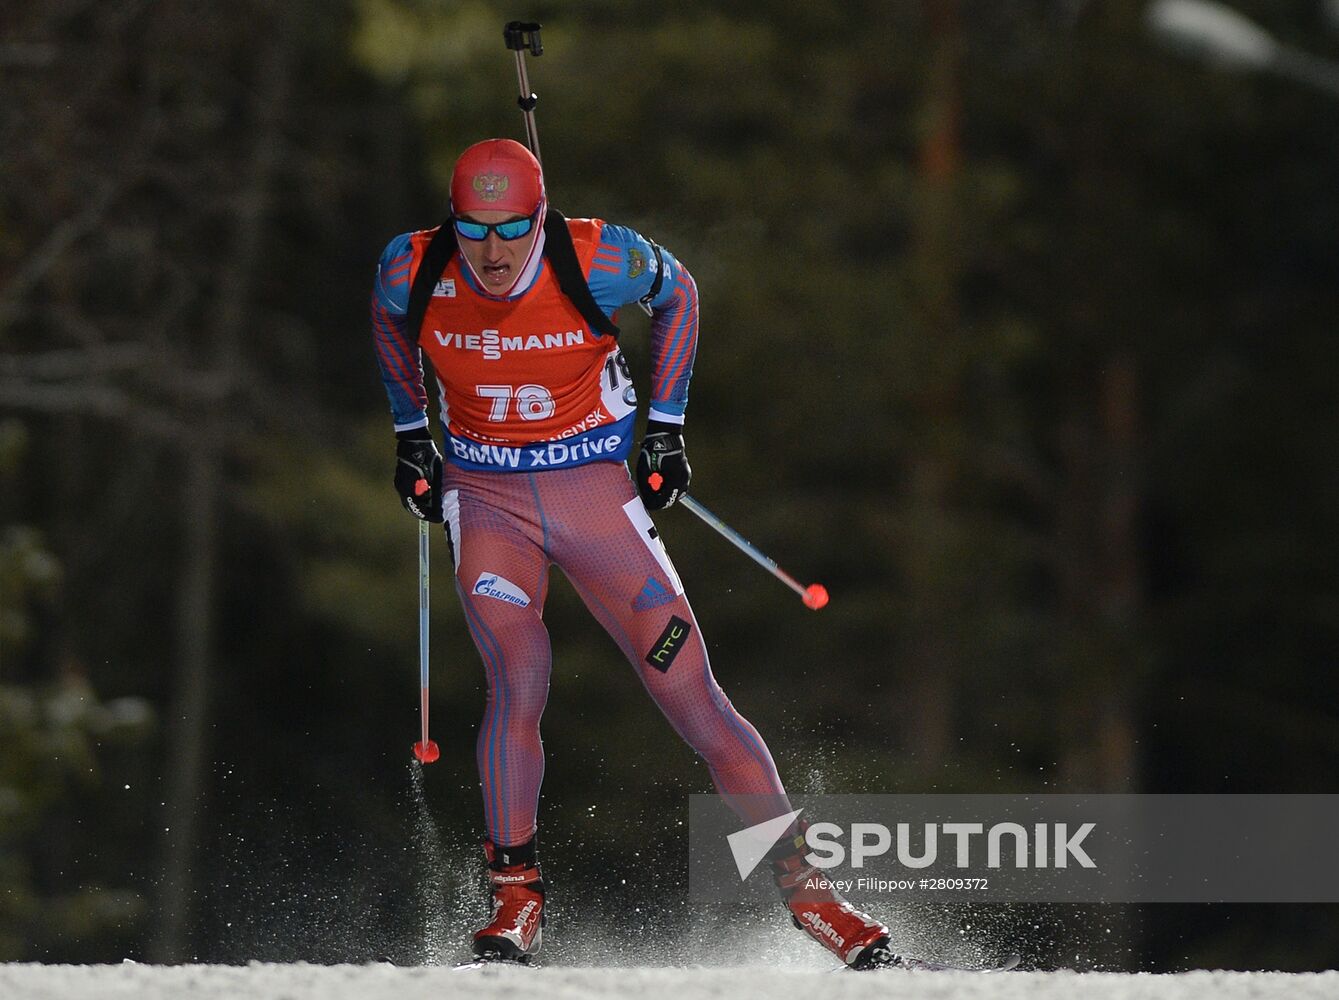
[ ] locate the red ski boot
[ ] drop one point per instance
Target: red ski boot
(819, 910)
(515, 932)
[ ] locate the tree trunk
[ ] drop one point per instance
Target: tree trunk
(1101, 612)
(188, 749)
(1120, 592)
(934, 667)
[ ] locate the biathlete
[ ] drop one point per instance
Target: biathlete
(514, 307)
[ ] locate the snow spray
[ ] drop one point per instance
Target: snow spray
(431, 885)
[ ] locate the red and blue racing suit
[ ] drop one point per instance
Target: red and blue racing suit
(538, 414)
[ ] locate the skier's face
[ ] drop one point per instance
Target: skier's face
(496, 261)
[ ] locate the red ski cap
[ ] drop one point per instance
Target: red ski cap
(496, 175)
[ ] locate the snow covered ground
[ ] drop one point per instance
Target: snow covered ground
(671, 951)
(387, 982)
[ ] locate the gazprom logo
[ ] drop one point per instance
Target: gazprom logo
(502, 589)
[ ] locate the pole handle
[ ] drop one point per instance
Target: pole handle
(521, 35)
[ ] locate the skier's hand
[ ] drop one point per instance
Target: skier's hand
(418, 474)
(663, 472)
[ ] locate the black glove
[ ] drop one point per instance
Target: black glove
(662, 457)
(418, 474)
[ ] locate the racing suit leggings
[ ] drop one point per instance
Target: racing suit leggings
(506, 529)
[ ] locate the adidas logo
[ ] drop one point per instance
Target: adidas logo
(653, 595)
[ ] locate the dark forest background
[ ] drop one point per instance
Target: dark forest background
(1018, 332)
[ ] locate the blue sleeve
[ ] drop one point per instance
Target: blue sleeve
(622, 273)
(398, 354)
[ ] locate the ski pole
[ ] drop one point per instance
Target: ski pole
(519, 36)
(814, 596)
(425, 749)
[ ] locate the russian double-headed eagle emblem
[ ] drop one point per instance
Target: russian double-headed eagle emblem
(491, 187)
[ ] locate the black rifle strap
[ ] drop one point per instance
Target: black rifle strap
(562, 255)
(646, 300)
(660, 273)
(435, 258)
(559, 250)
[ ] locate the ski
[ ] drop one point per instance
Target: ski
(924, 965)
(886, 960)
(492, 963)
